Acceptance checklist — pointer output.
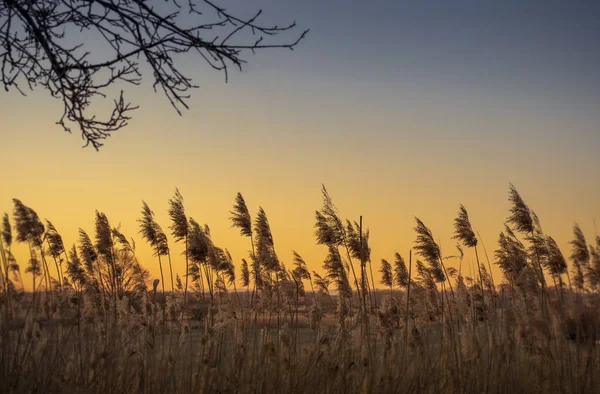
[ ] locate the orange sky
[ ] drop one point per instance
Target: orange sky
(443, 111)
(280, 165)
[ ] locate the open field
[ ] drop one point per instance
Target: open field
(94, 325)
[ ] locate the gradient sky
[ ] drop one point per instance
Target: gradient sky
(400, 108)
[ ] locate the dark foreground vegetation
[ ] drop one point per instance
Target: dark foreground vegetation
(94, 322)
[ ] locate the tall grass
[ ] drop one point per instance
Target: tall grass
(92, 323)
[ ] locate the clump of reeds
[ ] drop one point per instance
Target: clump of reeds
(99, 327)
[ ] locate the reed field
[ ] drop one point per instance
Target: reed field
(91, 319)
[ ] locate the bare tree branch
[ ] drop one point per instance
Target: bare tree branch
(47, 44)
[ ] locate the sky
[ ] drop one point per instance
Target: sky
(401, 109)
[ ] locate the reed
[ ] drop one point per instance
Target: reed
(104, 329)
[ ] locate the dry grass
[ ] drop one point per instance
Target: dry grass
(96, 327)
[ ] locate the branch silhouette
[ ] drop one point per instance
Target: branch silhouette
(53, 44)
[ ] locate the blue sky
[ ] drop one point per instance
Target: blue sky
(524, 50)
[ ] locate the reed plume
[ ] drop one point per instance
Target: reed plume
(6, 255)
(358, 244)
(268, 262)
(92, 264)
(354, 241)
(87, 251)
(147, 225)
(520, 216)
(55, 248)
(240, 216)
(245, 273)
(197, 251)
(539, 243)
(155, 236)
(162, 245)
(427, 280)
(526, 222)
(28, 226)
(104, 247)
(511, 256)
(30, 230)
(580, 256)
(387, 278)
(265, 247)
(179, 220)
(301, 267)
(325, 233)
(75, 270)
(429, 250)
(463, 231)
(227, 266)
(179, 230)
(263, 229)
(6, 231)
(334, 268)
(336, 272)
(104, 241)
(128, 260)
(301, 271)
(120, 239)
(401, 277)
(330, 231)
(322, 283)
(556, 261)
(330, 212)
(241, 219)
(579, 250)
(224, 265)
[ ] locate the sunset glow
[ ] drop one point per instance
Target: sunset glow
(439, 117)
